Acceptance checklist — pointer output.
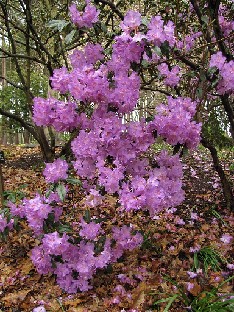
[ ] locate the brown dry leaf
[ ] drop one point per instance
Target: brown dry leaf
(195, 290)
(205, 227)
(73, 303)
(139, 295)
(55, 306)
(78, 309)
(15, 298)
(27, 266)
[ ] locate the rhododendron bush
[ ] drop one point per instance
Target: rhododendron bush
(110, 156)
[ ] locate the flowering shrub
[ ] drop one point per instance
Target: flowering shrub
(109, 155)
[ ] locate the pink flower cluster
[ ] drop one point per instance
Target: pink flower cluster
(85, 19)
(77, 263)
(188, 41)
(4, 224)
(226, 72)
(174, 122)
(56, 171)
(36, 211)
(226, 25)
(152, 193)
(171, 77)
(158, 32)
(52, 112)
(131, 22)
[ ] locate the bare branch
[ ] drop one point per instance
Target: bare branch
(21, 56)
(113, 7)
(22, 122)
(12, 83)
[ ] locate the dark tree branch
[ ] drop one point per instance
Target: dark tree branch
(226, 185)
(213, 6)
(202, 23)
(229, 108)
(21, 56)
(156, 90)
(20, 120)
(13, 45)
(112, 6)
(12, 83)
(39, 42)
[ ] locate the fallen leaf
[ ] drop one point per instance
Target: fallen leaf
(15, 298)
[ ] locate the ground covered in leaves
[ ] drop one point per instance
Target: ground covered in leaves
(169, 259)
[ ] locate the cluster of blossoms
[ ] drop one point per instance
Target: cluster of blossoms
(109, 154)
(75, 264)
(188, 41)
(5, 224)
(37, 210)
(227, 26)
(174, 122)
(158, 32)
(56, 171)
(86, 18)
(52, 112)
(172, 77)
(226, 72)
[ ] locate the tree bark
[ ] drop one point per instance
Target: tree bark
(226, 184)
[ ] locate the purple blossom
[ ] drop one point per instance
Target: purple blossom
(226, 238)
(189, 286)
(54, 244)
(89, 230)
(191, 274)
(230, 266)
(86, 18)
(56, 171)
(41, 260)
(174, 122)
(3, 223)
(194, 216)
(172, 77)
(52, 112)
(131, 21)
(217, 60)
(195, 248)
(39, 309)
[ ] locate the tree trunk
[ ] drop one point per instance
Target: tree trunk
(226, 184)
(16, 138)
(26, 136)
(11, 137)
(229, 108)
(47, 152)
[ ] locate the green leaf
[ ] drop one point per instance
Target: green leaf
(144, 63)
(70, 36)
(202, 75)
(149, 118)
(87, 216)
(195, 261)
(199, 92)
(165, 48)
(212, 70)
(170, 300)
(144, 21)
(157, 50)
(61, 190)
(74, 181)
(205, 19)
(104, 28)
(58, 24)
(64, 228)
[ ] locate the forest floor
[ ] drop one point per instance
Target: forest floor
(158, 270)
